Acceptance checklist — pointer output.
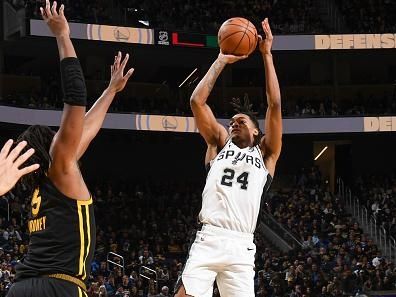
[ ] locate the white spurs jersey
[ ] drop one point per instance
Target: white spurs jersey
(234, 187)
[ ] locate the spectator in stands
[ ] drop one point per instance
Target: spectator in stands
(164, 291)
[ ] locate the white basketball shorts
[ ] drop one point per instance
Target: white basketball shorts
(222, 255)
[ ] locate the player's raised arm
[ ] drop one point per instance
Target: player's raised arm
(213, 132)
(66, 141)
(10, 161)
(271, 144)
(96, 115)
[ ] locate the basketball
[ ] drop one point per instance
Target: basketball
(237, 36)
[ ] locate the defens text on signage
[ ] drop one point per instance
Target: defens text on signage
(355, 41)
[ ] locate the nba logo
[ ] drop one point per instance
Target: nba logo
(163, 38)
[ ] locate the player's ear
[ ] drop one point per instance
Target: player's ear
(255, 132)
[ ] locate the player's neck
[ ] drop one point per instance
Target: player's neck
(241, 143)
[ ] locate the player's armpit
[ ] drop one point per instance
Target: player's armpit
(270, 164)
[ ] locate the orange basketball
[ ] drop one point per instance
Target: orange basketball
(237, 36)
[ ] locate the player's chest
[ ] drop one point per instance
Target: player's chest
(247, 159)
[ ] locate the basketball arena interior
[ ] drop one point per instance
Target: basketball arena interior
(327, 224)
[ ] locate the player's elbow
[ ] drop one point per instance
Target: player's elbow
(195, 101)
(274, 99)
(275, 104)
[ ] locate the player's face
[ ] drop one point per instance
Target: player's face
(241, 127)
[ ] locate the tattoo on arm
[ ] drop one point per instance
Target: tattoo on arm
(213, 74)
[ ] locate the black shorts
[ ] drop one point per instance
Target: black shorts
(45, 287)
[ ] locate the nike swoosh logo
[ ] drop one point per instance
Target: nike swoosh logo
(249, 249)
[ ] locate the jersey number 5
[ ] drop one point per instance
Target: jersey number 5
(36, 202)
(228, 176)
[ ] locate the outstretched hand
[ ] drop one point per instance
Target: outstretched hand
(265, 44)
(10, 163)
(118, 79)
(55, 21)
(229, 59)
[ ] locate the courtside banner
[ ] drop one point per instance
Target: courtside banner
(355, 41)
(379, 124)
(168, 123)
(98, 32)
(334, 42)
(185, 39)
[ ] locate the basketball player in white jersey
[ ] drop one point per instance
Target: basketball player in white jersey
(242, 162)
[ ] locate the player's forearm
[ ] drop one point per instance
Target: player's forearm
(271, 82)
(94, 119)
(65, 47)
(96, 115)
(205, 86)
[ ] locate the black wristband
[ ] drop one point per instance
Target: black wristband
(73, 83)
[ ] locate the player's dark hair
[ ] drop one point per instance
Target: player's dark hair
(246, 108)
(39, 138)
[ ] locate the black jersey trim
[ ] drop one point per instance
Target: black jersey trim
(263, 197)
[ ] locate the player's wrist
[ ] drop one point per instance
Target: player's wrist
(111, 90)
(222, 62)
(62, 36)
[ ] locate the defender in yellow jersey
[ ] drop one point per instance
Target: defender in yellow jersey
(61, 221)
(62, 238)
